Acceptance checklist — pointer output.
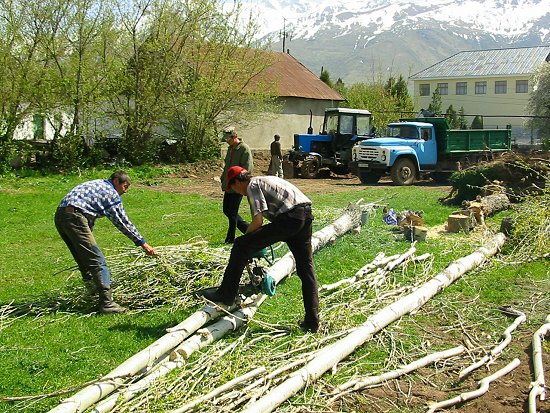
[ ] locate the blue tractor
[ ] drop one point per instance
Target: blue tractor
(342, 128)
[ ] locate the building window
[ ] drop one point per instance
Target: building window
(425, 89)
(443, 88)
(481, 88)
(500, 87)
(522, 86)
(461, 88)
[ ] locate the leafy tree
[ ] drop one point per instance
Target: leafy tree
(539, 102)
(435, 105)
(452, 117)
(325, 77)
(376, 98)
(477, 123)
(397, 89)
(462, 124)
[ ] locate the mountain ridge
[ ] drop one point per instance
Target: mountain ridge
(360, 41)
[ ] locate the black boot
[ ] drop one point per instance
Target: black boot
(106, 303)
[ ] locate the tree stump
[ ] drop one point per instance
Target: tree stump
(459, 222)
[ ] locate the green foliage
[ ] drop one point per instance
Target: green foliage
(66, 153)
(477, 123)
(452, 117)
(435, 104)
(468, 183)
(462, 124)
(389, 101)
(325, 77)
(539, 101)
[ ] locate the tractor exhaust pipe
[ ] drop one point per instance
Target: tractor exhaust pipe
(310, 129)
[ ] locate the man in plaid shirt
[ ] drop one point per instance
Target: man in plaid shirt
(75, 218)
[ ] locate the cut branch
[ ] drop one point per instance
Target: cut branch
(498, 349)
(359, 384)
(482, 389)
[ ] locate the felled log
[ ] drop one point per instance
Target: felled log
(137, 363)
(327, 358)
(487, 205)
(538, 386)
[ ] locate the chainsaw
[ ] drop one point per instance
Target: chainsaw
(260, 280)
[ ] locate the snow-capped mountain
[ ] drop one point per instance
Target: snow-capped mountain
(358, 40)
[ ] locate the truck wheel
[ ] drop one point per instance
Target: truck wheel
(369, 177)
(310, 168)
(403, 172)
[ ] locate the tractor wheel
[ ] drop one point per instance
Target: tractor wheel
(403, 172)
(310, 168)
(369, 177)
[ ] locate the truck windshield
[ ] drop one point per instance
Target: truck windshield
(403, 132)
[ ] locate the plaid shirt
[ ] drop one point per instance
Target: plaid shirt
(271, 196)
(99, 198)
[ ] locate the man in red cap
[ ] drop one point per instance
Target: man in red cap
(289, 213)
(238, 154)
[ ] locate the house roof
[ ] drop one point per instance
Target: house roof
(483, 63)
(293, 79)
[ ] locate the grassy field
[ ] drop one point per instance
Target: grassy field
(43, 351)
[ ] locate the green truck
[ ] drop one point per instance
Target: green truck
(418, 147)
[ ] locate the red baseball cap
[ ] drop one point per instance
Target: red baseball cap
(232, 173)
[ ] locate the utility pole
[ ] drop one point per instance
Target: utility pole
(284, 35)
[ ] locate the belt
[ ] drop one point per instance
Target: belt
(72, 209)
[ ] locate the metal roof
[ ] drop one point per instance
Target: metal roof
(484, 63)
(293, 79)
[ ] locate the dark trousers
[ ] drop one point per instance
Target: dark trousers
(75, 230)
(231, 203)
(295, 229)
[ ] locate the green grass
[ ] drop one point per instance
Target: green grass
(55, 350)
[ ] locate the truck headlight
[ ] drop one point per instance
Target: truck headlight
(383, 156)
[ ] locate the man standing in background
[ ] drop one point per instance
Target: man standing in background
(276, 164)
(238, 154)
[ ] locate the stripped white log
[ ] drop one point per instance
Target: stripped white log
(331, 355)
(498, 349)
(279, 270)
(358, 384)
(139, 362)
(229, 385)
(482, 389)
(538, 386)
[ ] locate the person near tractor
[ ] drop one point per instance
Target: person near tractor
(75, 218)
(276, 163)
(290, 218)
(238, 154)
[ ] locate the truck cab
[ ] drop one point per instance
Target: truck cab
(425, 145)
(408, 148)
(331, 148)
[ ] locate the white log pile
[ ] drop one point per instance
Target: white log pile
(328, 357)
(143, 361)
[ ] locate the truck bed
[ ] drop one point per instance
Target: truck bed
(475, 140)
